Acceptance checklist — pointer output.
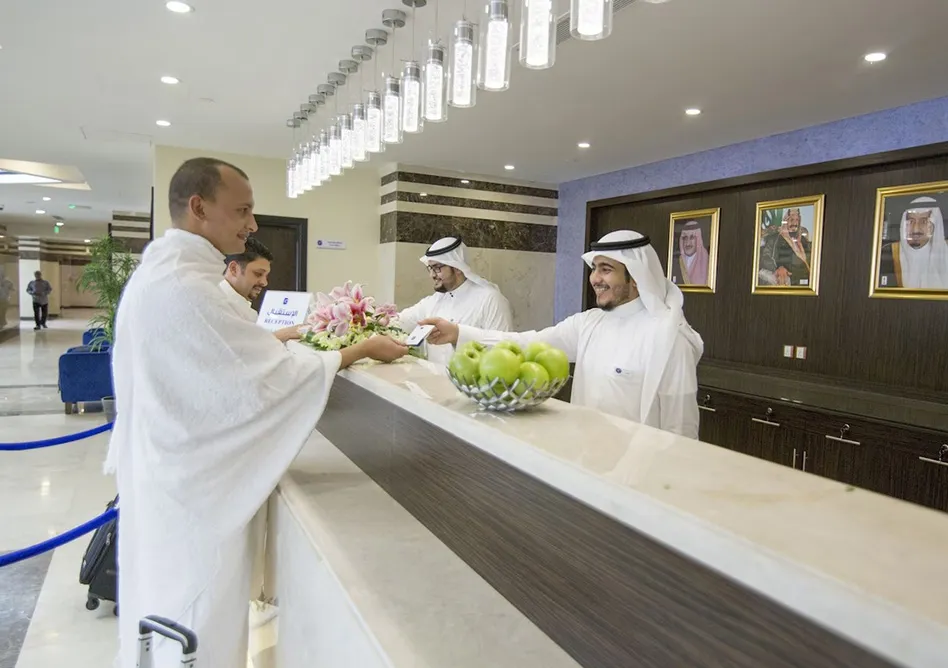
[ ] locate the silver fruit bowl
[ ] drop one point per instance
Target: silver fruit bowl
(498, 396)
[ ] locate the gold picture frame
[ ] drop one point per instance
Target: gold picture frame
(787, 247)
(920, 205)
(704, 266)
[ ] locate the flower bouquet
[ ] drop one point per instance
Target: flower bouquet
(345, 317)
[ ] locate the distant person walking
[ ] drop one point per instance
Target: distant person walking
(39, 289)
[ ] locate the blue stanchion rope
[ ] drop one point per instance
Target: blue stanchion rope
(33, 445)
(56, 541)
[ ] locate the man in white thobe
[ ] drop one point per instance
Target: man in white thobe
(212, 410)
(460, 296)
(919, 259)
(636, 356)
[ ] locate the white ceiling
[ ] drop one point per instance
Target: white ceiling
(80, 84)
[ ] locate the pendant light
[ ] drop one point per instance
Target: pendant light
(537, 34)
(493, 62)
(436, 84)
(360, 54)
(392, 88)
(590, 19)
(412, 91)
(373, 101)
(324, 156)
(293, 124)
(316, 100)
(461, 89)
(305, 183)
(348, 68)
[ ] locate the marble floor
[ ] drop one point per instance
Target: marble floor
(43, 619)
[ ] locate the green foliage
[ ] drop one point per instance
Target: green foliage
(106, 275)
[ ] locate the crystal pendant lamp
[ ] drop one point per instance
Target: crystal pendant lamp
(345, 129)
(590, 19)
(358, 133)
(412, 98)
(335, 150)
(324, 152)
(373, 123)
(463, 54)
(290, 169)
(312, 150)
(391, 109)
(436, 89)
(493, 62)
(537, 34)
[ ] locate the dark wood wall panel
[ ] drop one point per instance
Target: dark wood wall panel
(847, 334)
(609, 596)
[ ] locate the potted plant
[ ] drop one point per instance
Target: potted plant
(109, 268)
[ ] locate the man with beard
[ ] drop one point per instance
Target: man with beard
(919, 259)
(785, 257)
(636, 356)
(692, 265)
(246, 275)
(460, 296)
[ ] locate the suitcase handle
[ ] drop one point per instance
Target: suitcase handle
(169, 629)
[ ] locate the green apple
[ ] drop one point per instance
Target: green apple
(534, 349)
(473, 345)
(500, 363)
(464, 365)
(555, 362)
(512, 347)
(533, 374)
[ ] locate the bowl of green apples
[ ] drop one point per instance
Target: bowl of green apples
(505, 377)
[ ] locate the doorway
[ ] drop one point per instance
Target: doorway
(286, 239)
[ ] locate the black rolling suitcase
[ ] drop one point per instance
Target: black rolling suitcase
(169, 629)
(99, 566)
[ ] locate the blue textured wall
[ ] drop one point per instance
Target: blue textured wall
(913, 125)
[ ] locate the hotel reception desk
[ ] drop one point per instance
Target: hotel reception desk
(416, 531)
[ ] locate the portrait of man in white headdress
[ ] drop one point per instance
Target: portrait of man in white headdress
(913, 252)
(788, 245)
(692, 248)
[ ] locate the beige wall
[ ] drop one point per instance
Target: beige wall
(344, 210)
(11, 270)
(73, 297)
(52, 274)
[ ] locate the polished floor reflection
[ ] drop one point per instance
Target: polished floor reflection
(43, 619)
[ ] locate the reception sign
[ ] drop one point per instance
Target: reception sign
(283, 309)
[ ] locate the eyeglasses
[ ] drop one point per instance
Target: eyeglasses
(435, 268)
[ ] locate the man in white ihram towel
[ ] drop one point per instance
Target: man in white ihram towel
(636, 356)
(212, 410)
(460, 296)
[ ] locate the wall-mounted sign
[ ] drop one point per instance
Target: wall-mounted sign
(325, 244)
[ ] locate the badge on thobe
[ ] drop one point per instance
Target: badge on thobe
(283, 309)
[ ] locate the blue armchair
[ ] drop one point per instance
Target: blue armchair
(84, 376)
(89, 335)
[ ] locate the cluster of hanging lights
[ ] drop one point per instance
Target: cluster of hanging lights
(337, 134)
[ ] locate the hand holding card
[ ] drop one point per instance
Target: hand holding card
(418, 335)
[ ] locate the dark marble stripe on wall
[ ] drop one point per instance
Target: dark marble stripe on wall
(608, 595)
(454, 182)
(425, 228)
(444, 200)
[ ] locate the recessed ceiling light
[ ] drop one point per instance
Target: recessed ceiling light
(88, 241)
(163, 124)
(179, 7)
(47, 199)
(694, 111)
(422, 194)
(508, 167)
(465, 181)
(583, 144)
(59, 223)
(874, 57)
(169, 80)
(40, 212)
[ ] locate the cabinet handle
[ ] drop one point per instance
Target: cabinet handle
(707, 408)
(794, 458)
(804, 460)
(933, 461)
(766, 422)
(704, 404)
(840, 439)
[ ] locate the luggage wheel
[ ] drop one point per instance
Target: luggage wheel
(92, 603)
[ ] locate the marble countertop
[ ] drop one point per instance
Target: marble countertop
(422, 604)
(895, 406)
(867, 566)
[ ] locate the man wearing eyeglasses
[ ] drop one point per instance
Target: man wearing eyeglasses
(460, 296)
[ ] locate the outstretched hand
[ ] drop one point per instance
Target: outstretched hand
(444, 332)
(385, 349)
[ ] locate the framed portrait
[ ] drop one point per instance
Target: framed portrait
(787, 246)
(693, 249)
(910, 252)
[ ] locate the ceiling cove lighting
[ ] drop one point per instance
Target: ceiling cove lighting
(874, 57)
(171, 81)
(179, 7)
